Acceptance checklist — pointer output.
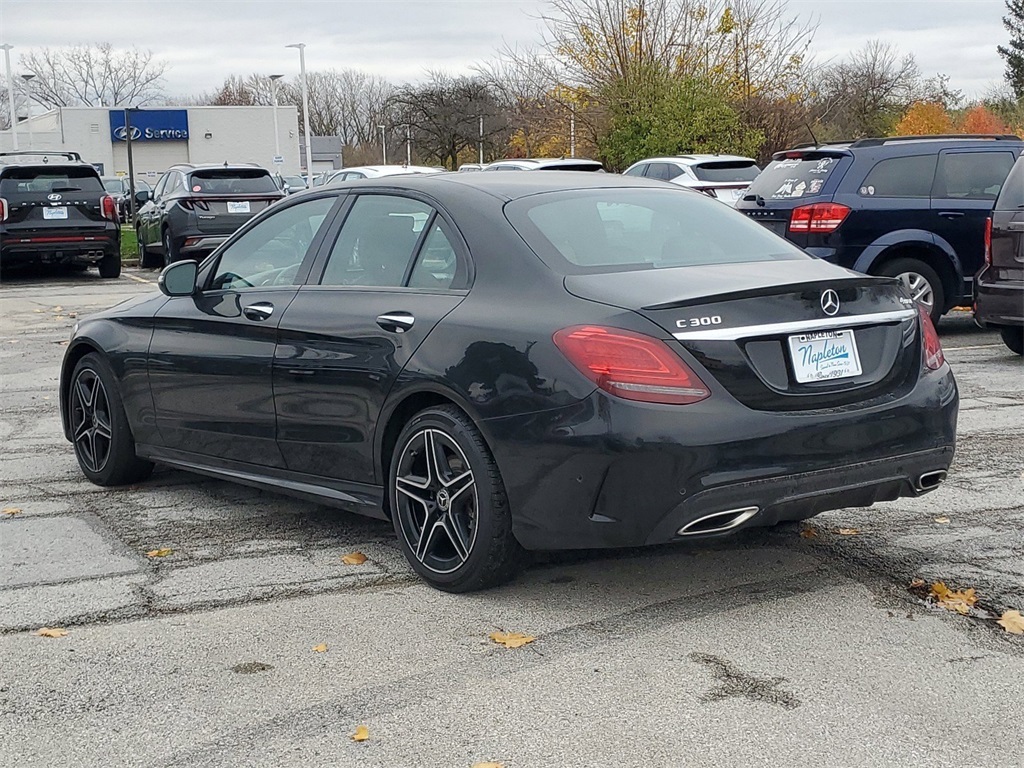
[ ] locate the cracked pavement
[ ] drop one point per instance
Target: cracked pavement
(764, 649)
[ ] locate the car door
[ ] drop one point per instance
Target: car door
(148, 210)
(394, 270)
(966, 186)
(211, 355)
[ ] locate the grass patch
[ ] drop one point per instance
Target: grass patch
(129, 245)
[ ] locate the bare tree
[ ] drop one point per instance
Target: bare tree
(94, 75)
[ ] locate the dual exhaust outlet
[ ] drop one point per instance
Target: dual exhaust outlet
(726, 520)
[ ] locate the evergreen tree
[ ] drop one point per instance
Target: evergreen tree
(1014, 53)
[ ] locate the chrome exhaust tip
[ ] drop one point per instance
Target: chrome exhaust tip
(717, 522)
(929, 481)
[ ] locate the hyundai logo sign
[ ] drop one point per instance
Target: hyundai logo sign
(150, 125)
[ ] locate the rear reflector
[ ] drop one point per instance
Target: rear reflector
(930, 344)
(630, 365)
(818, 217)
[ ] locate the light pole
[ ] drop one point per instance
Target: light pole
(273, 97)
(408, 145)
(305, 107)
(481, 139)
(27, 77)
(383, 147)
(10, 94)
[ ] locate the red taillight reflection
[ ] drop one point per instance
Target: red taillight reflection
(3, 209)
(818, 217)
(988, 242)
(630, 365)
(932, 347)
(108, 208)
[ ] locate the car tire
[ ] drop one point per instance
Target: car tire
(1014, 339)
(170, 253)
(444, 484)
(103, 441)
(110, 265)
(921, 281)
(147, 259)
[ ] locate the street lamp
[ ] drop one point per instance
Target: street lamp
(305, 106)
(27, 77)
(383, 147)
(273, 97)
(10, 94)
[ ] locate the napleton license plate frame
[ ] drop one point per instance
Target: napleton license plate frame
(55, 213)
(824, 356)
(239, 206)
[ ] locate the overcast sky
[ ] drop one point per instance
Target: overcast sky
(206, 40)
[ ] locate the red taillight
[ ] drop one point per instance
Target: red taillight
(818, 217)
(933, 357)
(988, 242)
(108, 207)
(630, 365)
(3, 209)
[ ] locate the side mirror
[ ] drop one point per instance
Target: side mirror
(142, 196)
(179, 278)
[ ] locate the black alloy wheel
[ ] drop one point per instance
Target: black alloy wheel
(99, 428)
(449, 504)
(146, 257)
(170, 255)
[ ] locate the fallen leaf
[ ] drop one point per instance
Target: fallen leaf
(488, 765)
(322, 648)
(163, 552)
(848, 531)
(353, 558)
(12, 511)
(942, 520)
(362, 733)
(917, 583)
(1012, 622)
(58, 309)
(809, 533)
(511, 639)
(959, 601)
(52, 632)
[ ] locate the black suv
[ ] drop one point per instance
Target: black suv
(912, 207)
(54, 210)
(194, 208)
(999, 286)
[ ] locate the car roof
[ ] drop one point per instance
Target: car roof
(543, 162)
(388, 170)
(898, 144)
(694, 159)
(216, 166)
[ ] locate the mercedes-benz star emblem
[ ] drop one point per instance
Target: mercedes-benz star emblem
(54, 197)
(829, 302)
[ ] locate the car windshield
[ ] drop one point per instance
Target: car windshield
(49, 180)
(113, 185)
(727, 170)
(232, 181)
(795, 177)
(622, 229)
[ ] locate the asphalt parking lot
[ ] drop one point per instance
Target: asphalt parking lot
(252, 644)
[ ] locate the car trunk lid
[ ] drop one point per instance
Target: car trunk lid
(223, 199)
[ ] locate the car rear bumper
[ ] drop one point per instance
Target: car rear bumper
(998, 303)
(58, 248)
(609, 473)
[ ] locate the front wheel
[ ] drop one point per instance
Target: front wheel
(1014, 339)
(922, 283)
(449, 505)
(170, 254)
(100, 432)
(147, 258)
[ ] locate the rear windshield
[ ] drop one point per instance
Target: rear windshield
(113, 185)
(232, 181)
(1011, 197)
(609, 230)
(727, 170)
(572, 167)
(802, 176)
(48, 180)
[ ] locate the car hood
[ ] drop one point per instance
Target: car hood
(137, 306)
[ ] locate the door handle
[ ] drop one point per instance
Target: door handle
(951, 214)
(258, 311)
(396, 322)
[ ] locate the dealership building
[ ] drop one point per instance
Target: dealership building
(166, 135)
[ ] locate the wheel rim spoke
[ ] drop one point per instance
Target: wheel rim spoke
(452, 529)
(430, 528)
(92, 430)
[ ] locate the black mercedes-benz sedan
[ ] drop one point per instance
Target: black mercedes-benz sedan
(508, 362)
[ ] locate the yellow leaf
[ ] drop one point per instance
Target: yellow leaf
(12, 511)
(1012, 622)
(322, 648)
(942, 520)
(511, 639)
(362, 733)
(848, 531)
(959, 601)
(917, 583)
(809, 533)
(163, 552)
(488, 765)
(52, 632)
(353, 558)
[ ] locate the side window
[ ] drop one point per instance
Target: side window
(161, 185)
(900, 177)
(376, 242)
(971, 175)
(173, 184)
(663, 171)
(271, 252)
(435, 266)
(636, 170)
(1011, 197)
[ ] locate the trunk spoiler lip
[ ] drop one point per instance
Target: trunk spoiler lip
(773, 290)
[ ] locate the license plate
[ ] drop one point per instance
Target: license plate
(238, 207)
(58, 212)
(824, 355)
